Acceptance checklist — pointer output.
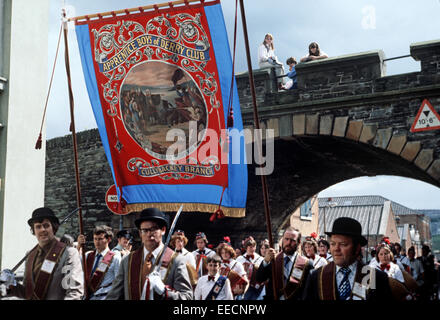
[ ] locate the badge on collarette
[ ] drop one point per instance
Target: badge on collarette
(48, 266)
(102, 267)
(360, 291)
(297, 273)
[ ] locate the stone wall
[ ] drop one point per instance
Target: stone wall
(95, 179)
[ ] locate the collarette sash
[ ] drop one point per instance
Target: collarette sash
(327, 288)
(37, 290)
(290, 288)
(201, 262)
(135, 262)
(95, 280)
(218, 286)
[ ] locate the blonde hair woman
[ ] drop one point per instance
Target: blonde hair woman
(266, 53)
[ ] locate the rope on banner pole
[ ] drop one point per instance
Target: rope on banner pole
(40, 139)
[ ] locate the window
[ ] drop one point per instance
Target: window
(306, 210)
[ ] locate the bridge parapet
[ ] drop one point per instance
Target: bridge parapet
(346, 75)
(428, 53)
(350, 97)
(334, 77)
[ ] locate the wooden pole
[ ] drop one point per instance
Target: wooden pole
(131, 10)
(75, 149)
(368, 236)
(257, 126)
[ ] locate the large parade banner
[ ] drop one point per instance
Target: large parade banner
(159, 83)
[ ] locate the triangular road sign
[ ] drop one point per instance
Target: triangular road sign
(427, 118)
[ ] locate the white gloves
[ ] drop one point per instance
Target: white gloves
(3, 290)
(7, 277)
(156, 283)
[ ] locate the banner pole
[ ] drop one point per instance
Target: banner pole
(75, 149)
(257, 126)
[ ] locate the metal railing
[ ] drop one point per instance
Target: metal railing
(399, 57)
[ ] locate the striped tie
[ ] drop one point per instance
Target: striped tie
(344, 286)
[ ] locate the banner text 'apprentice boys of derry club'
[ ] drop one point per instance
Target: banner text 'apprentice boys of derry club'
(154, 72)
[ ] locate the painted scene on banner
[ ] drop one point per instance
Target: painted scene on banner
(156, 73)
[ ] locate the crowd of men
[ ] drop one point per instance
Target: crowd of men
(313, 268)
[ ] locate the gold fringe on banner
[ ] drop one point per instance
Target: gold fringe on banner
(199, 207)
(138, 9)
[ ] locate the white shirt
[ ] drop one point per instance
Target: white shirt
(204, 287)
(255, 261)
(393, 272)
(208, 252)
(319, 262)
(189, 257)
(236, 266)
(196, 253)
(264, 54)
(417, 270)
(249, 265)
(321, 54)
(329, 257)
(403, 260)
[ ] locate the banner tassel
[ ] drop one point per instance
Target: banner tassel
(218, 214)
(39, 142)
(122, 203)
(230, 121)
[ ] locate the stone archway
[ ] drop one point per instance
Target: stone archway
(303, 167)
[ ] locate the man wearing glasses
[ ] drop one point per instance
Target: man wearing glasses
(138, 279)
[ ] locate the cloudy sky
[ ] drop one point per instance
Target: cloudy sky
(339, 26)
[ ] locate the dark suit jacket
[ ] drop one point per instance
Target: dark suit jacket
(381, 293)
(264, 273)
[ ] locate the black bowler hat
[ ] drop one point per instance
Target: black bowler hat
(41, 214)
(348, 227)
(152, 214)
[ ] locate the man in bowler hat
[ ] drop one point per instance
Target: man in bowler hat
(344, 277)
(53, 270)
(137, 278)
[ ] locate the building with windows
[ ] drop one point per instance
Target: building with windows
(378, 216)
(375, 214)
(305, 218)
